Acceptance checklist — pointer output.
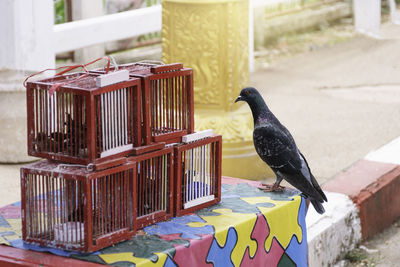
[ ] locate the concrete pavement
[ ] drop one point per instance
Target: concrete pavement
(339, 102)
(9, 183)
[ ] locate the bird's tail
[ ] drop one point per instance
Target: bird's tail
(317, 206)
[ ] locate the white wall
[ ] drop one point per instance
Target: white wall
(26, 32)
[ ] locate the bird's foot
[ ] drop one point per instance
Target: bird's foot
(271, 188)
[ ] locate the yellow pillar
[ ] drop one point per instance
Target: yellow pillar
(211, 36)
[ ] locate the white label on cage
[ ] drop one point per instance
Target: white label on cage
(198, 201)
(196, 136)
(71, 232)
(112, 77)
(116, 150)
(170, 145)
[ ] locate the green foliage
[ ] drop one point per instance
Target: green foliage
(355, 256)
(152, 2)
(59, 11)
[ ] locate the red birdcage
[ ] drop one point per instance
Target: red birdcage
(72, 208)
(197, 174)
(81, 122)
(167, 100)
(154, 186)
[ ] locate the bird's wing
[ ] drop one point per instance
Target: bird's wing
(313, 180)
(278, 149)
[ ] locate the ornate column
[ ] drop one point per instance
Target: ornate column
(211, 36)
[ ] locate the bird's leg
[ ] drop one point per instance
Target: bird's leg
(274, 187)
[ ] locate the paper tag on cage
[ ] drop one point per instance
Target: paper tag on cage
(112, 77)
(197, 136)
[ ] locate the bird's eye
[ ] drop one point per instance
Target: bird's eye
(246, 92)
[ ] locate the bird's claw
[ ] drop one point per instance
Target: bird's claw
(271, 188)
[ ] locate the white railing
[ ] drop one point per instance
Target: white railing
(32, 40)
(78, 34)
(29, 40)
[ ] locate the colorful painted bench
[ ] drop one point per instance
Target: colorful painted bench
(247, 228)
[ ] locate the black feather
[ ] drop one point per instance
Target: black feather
(276, 147)
(317, 206)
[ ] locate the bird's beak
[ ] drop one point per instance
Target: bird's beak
(239, 99)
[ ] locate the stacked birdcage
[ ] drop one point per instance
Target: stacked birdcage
(70, 207)
(167, 100)
(197, 172)
(85, 124)
(155, 186)
(81, 122)
(121, 154)
(168, 116)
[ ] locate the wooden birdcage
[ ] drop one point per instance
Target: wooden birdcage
(197, 174)
(167, 100)
(74, 209)
(154, 186)
(80, 122)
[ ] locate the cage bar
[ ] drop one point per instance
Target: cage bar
(154, 186)
(167, 100)
(82, 123)
(197, 174)
(74, 209)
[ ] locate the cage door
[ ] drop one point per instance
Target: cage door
(197, 176)
(114, 123)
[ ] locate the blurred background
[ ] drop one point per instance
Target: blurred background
(327, 68)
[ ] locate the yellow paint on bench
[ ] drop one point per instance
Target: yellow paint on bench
(243, 224)
(282, 219)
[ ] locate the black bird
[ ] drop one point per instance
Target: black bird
(276, 146)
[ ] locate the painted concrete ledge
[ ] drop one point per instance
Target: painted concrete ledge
(334, 233)
(374, 187)
(363, 201)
